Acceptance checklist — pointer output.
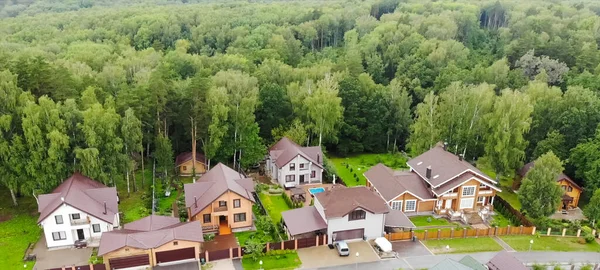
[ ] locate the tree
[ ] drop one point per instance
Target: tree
(585, 157)
(425, 131)
(554, 142)
(399, 102)
(297, 132)
(131, 130)
(163, 154)
(324, 107)
(218, 110)
(539, 194)
(533, 65)
(592, 209)
(274, 109)
(508, 121)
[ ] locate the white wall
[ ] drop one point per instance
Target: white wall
(319, 207)
(50, 226)
(373, 225)
(285, 170)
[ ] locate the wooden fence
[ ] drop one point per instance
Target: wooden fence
(460, 233)
(238, 252)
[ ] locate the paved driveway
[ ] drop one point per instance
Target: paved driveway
(410, 249)
(182, 266)
(322, 256)
(56, 258)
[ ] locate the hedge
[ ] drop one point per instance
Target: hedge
(291, 204)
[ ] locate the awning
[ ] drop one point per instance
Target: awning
(297, 191)
(396, 218)
(303, 220)
(567, 198)
(383, 244)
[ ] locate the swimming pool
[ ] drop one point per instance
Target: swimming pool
(314, 191)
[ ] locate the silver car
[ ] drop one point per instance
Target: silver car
(342, 248)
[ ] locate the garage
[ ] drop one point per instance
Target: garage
(348, 234)
(175, 255)
(129, 262)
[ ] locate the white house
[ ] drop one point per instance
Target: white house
(78, 209)
(292, 165)
(342, 213)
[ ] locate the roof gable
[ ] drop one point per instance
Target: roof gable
(391, 184)
(562, 176)
(339, 201)
(151, 223)
(285, 150)
(187, 156)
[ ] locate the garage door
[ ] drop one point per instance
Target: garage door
(175, 255)
(349, 234)
(131, 261)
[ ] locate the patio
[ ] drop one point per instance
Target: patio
(307, 196)
(572, 214)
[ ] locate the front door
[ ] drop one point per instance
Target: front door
(301, 179)
(448, 204)
(80, 235)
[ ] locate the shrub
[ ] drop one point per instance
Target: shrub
(254, 249)
(291, 204)
(350, 169)
(586, 267)
(557, 267)
(539, 267)
(588, 237)
(209, 237)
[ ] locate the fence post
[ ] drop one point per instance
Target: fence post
(578, 232)
(240, 252)
(548, 233)
(476, 233)
(91, 266)
(521, 229)
(439, 232)
(268, 246)
(425, 235)
(295, 244)
(230, 253)
(317, 237)
(594, 233)
(564, 232)
(206, 255)
(451, 233)
(507, 230)
(533, 231)
(73, 267)
(464, 232)
(496, 230)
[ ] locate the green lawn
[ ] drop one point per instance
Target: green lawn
(284, 261)
(274, 204)
(500, 220)
(133, 205)
(549, 243)
(242, 237)
(421, 221)
(505, 184)
(358, 164)
(462, 245)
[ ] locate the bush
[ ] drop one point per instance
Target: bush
(586, 267)
(209, 237)
(588, 237)
(291, 204)
(539, 267)
(254, 249)
(261, 187)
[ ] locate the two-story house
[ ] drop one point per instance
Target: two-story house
(572, 191)
(78, 209)
(342, 213)
(292, 165)
(221, 200)
(437, 181)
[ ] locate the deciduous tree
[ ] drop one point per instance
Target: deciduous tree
(539, 193)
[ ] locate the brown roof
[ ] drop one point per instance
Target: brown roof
(213, 184)
(151, 223)
(187, 156)
(113, 240)
(505, 261)
(303, 220)
(450, 185)
(390, 184)
(525, 169)
(397, 218)
(83, 193)
(285, 150)
(338, 202)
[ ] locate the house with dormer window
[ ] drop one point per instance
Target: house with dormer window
(292, 165)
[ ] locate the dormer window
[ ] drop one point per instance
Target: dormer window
(357, 215)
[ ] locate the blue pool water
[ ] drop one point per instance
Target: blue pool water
(314, 191)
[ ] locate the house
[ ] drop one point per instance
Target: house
(342, 213)
(292, 165)
(78, 209)
(572, 191)
(184, 163)
(221, 200)
(505, 261)
(437, 182)
(151, 241)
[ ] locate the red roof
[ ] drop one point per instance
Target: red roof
(83, 193)
(390, 184)
(303, 220)
(338, 202)
(187, 156)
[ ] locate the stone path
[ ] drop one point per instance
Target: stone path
(503, 244)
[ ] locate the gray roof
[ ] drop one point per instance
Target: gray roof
(186, 231)
(505, 261)
(449, 264)
(285, 150)
(390, 183)
(444, 165)
(213, 184)
(151, 223)
(187, 156)
(397, 218)
(339, 201)
(303, 220)
(82, 193)
(471, 262)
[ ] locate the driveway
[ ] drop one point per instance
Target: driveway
(573, 214)
(57, 258)
(322, 256)
(221, 264)
(182, 266)
(410, 249)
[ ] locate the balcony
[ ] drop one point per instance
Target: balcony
(485, 192)
(450, 195)
(220, 208)
(81, 221)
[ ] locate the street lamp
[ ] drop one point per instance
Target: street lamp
(357, 260)
(530, 244)
(260, 262)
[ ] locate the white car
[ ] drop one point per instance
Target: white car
(342, 248)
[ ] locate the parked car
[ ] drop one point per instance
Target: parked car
(342, 248)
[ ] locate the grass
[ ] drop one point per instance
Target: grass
(462, 245)
(421, 221)
(242, 237)
(506, 183)
(358, 164)
(549, 243)
(500, 220)
(133, 205)
(285, 261)
(274, 204)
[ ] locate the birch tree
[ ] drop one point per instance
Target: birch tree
(539, 194)
(217, 105)
(425, 131)
(399, 102)
(131, 131)
(324, 107)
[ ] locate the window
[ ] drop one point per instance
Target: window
(237, 203)
(184, 168)
(58, 219)
(466, 203)
(482, 185)
(241, 217)
(313, 174)
(206, 218)
(175, 243)
(397, 205)
(357, 215)
(292, 166)
(570, 188)
(222, 203)
(481, 200)
(439, 203)
(75, 216)
(468, 191)
(96, 228)
(411, 206)
(301, 166)
(290, 178)
(59, 236)
(564, 187)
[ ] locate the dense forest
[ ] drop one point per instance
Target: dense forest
(93, 85)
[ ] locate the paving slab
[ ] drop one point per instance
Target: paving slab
(410, 249)
(55, 258)
(322, 256)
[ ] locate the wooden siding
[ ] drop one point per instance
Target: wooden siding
(229, 196)
(575, 193)
(186, 168)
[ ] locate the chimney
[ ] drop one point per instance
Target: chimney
(428, 172)
(104, 208)
(195, 201)
(460, 157)
(318, 158)
(445, 146)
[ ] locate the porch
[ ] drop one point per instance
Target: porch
(219, 224)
